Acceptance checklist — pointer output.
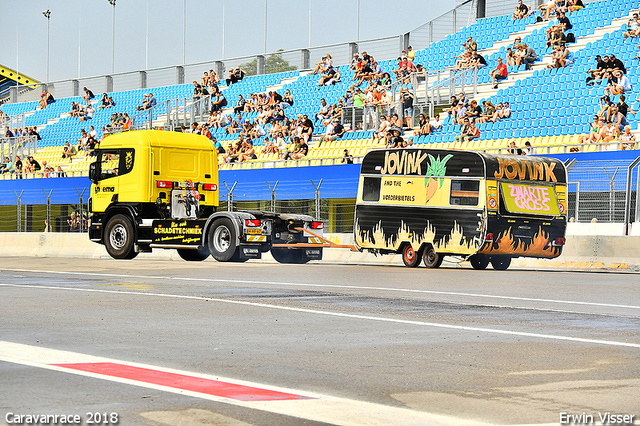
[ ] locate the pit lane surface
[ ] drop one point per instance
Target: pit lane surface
(448, 346)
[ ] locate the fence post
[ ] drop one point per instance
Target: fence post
(627, 200)
(230, 195)
(48, 224)
(19, 208)
(273, 195)
(317, 197)
(612, 193)
(80, 194)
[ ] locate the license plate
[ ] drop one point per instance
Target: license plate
(254, 231)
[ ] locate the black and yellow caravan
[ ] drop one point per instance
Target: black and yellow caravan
(426, 204)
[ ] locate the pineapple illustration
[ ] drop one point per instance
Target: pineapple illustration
(436, 168)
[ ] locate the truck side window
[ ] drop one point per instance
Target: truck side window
(371, 189)
(464, 192)
(109, 164)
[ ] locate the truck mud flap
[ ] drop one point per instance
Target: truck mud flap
(250, 252)
(313, 253)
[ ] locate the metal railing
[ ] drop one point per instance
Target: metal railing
(22, 146)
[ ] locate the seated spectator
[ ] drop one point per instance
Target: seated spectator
(617, 118)
(148, 101)
(334, 131)
(468, 131)
(521, 11)
(346, 157)
(218, 102)
(489, 111)
(425, 126)
(7, 166)
(514, 150)
(529, 56)
(300, 150)
(628, 139)
(323, 65)
(235, 76)
(477, 60)
(546, 9)
(463, 60)
(248, 152)
(232, 152)
(103, 101)
(474, 111)
(88, 95)
(563, 22)
(354, 62)
(623, 108)
(633, 27)
(69, 150)
(528, 150)
(269, 147)
(17, 167)
(619, 84)
(60, 173)
(452, 109)
(461, 113)
(75, 110)
(616, 64)
(605, 105)
(328, 75)
(565, 57)
(597, 72)
(470, 45)
(217, 145)
(511, 57)
(46, 98)
(555, 37)
(74, 222)
(126, 125)
(609, 132)
(306, 128)
(88, 113)
(287, 100)
(110, 103)
(499, 73)
(574, 5)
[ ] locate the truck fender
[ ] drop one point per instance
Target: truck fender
(235, 217)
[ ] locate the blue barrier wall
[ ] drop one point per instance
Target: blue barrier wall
(293, 183)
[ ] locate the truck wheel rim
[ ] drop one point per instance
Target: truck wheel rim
(431, 256)
(221, 239)
(118, 236)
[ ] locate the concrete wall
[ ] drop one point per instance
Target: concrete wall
(581, 251)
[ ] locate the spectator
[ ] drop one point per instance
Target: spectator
(103, 101)
(300, 151)
(616, 64)
(477, 60)
(575, 5)
(148, 101)
(88, 113)
(623, 108)
(75, 110)
(468, 130)
(60, 172)
(411, 54)
(235, 76)
(407, 103)
(7, 167)
(335, 130)
(563, 22)
(597, 72)
(528, 150)
(218, 146)
(323, 65)
(609, 132)
(628, 139)
(511, 57)
(521, 11)
(474, 111)
(529, 57)
(555, 37)
(248, 152)
(17, 166)
(513, 150)
(346, 157)
(287, 100)
(46, 98)
(328, 76)
(499, 73)
(452, 109)
(470, 45)
(489, 111)
(547, 9)
(74, 223)
(127, 122)
(617, 118)
(425, 125)
(619, 84)
(565, 57)
(88, 95)
(69, 150)
(218, 102)
(633, 27)
(354, 62)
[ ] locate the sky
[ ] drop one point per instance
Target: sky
(80, 31)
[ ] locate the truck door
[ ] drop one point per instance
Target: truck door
(105, 190)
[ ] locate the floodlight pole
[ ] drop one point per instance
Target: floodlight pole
(113, 36)
(47, 14)
(265, 26)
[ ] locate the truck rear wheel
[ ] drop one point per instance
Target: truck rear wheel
(431, 258)
(479, 261)
(285, 255)
(119, 237)
(410, 257)
(198, 255)
(223, 241)
(500, 263)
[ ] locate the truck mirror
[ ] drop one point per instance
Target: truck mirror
(93, 174)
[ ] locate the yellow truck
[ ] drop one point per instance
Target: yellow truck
(159, 189)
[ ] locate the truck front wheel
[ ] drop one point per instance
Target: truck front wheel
(223, 240)
(119, 237)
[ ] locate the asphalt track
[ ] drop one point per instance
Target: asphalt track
(177, 343)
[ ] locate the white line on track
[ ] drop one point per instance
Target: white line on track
(321, 408)
(337, 286)
(337, 314)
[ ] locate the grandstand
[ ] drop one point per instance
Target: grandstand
(551, 108)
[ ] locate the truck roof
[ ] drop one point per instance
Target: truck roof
(156, 138)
